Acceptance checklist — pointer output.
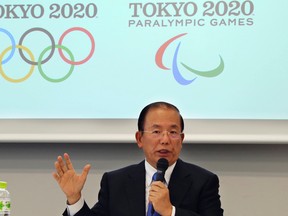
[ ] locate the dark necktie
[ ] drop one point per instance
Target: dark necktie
(151, 211)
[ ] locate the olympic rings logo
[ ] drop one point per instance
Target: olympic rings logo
(5, 58)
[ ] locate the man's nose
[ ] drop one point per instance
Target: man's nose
(165, 137)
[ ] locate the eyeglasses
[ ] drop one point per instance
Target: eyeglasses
(158, 134)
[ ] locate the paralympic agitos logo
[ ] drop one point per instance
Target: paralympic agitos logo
(175, 69)
(7, 54)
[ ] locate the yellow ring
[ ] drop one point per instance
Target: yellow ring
(26, 76)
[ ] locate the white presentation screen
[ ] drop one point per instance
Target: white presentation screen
(95, 60)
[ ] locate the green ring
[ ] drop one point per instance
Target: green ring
(40, 65)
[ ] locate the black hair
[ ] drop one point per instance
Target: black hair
(159, 104)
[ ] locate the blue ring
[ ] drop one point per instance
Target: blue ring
(13, 45)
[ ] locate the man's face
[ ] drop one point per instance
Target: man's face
(163, 145)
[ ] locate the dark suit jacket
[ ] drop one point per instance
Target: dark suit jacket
(193, 191)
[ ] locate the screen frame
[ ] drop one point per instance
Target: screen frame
(197, 131)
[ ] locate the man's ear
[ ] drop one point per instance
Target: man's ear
(138, 137)
(182, 136)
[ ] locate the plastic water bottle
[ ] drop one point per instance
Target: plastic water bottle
(5, 201)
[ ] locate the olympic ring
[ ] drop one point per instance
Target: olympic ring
(42, 61)
(60, 79)
(13, 45)
(52, 42)
(92, 43)
(26, 76)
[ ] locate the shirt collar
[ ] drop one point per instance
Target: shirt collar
(150, 170)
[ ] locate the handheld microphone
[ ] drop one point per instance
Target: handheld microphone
(162, 165)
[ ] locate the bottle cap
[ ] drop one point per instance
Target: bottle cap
(3, 184)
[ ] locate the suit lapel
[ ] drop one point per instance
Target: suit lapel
(178, 185)
(135, 189)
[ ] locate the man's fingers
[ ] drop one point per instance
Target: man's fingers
(86, 170)
(62, 164)
(156, 191)
(56, 176)
(68, 162)
(58, 168)
(157, 186)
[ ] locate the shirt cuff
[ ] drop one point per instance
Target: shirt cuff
(173, 211)
(73, 209)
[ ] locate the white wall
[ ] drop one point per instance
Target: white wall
(253, 177)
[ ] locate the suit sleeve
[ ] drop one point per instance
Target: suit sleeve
(101, 207)
(85, 210)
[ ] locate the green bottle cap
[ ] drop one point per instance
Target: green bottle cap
(3, 184)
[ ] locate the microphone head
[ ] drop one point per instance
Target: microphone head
(162, 165)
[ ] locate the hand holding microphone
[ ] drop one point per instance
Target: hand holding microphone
(159, 193)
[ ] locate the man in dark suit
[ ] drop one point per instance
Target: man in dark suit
(188, 190)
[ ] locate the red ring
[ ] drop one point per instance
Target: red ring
(92, 43)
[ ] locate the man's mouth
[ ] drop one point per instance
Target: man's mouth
(163, 151)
